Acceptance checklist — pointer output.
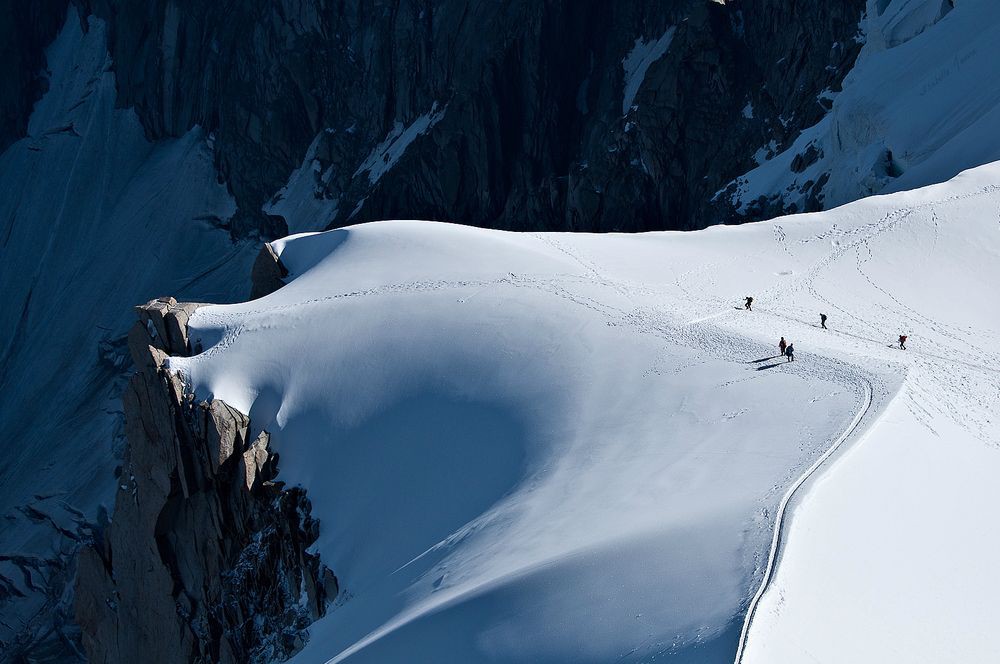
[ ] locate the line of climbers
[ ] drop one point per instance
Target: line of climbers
(785, 347)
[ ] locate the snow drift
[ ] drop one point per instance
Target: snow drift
(571, 448)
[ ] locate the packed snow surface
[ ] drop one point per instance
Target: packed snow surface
(553, 447)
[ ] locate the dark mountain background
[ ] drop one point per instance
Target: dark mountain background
(532, 133)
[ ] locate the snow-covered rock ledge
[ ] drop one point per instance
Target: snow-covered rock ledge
(205, 558)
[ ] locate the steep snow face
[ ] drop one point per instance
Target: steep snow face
(573, 447)
(637, 62)
(94, 219)
(302, 202)
(921, 104)
(385, 155)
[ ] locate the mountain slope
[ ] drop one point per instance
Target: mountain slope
(95, 217)
(544, 118)
(571, 447)
(581, 115)
(920, 105)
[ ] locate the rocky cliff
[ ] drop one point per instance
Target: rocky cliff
(206, 557)
(563, 114)
(583, 115)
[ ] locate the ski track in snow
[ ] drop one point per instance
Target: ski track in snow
(715, 327)
(780, 531)
(693, 334)
(875, 392)
(722, 344)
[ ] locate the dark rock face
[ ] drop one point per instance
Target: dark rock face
(267, 273)
(205, 559)
(504, 114)
(26, 28)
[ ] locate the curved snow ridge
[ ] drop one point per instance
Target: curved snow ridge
(780, 530)
(600, 463)
(519, 445)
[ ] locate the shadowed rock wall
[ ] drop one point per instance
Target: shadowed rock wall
(506, 114)
(205, 558)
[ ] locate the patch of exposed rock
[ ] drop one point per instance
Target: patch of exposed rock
(206, 557)
(268, 273)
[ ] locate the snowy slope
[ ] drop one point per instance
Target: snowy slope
(895, 545)
(921, 104)
(572, 447)
(478, 422)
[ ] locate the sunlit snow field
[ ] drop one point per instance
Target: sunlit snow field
(572, 447)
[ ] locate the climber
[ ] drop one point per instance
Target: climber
(782, 345)
(790, 353)
(902, 342)
(822, 321)
(748, 303)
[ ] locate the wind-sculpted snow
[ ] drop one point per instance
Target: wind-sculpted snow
(484, 430)
(572, 447)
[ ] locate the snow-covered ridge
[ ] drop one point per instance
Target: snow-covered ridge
(572, 447)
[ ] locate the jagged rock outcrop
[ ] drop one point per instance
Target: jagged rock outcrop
(267, 274)
(565, 114)
(205, 558)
